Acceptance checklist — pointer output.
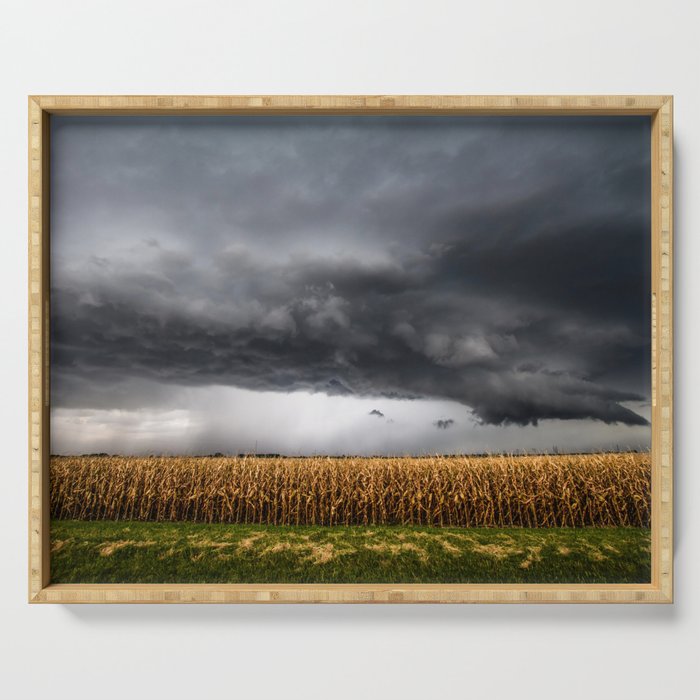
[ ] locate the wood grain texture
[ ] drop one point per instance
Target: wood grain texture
(368, 104)
(662, 349)
(659, 108)
(38, 349)
(347, 593)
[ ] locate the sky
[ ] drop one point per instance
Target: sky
(349, 284)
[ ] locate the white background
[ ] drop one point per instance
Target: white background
(167, 46)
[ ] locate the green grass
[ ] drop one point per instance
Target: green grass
(181, 552)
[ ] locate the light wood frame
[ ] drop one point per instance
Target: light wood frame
(659, 108)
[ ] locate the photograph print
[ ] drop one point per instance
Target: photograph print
(350, 349)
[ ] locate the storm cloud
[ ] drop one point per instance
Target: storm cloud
(500, 263)
(444, 423)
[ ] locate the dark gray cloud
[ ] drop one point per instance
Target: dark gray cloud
(444, 423)
(500, 263)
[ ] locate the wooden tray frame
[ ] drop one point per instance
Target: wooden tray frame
(659, 108)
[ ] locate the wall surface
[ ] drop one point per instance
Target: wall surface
(169, 46)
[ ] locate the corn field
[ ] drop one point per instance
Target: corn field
(498, 491)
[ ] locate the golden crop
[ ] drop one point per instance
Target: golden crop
(493, 491)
